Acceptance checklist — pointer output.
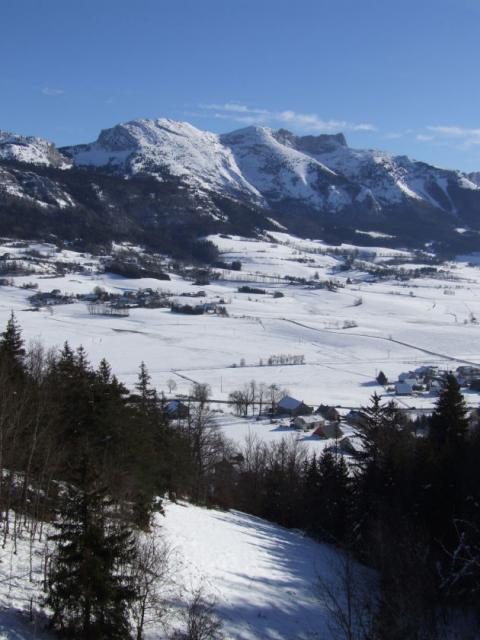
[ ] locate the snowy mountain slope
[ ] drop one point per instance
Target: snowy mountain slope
(168, 149)
(30, 150)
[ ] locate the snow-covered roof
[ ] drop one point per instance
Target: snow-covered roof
(403, 388)
(172, 406)
(287, 402)
(316, 419)
(408, 375)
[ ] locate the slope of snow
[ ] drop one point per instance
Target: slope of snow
(263, 577)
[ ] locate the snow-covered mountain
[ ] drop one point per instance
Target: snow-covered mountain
(245, 181)
(278, 169)
(30, 150)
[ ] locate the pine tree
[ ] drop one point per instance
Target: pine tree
(378, 432)
(382, 379)
(380, 435)
(311, 503)
(88, 586)
(146, 393)
(12, 350)
(148, 446)
(333, 496)
(449, 424)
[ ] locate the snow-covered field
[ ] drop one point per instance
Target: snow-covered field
(346, 336)
(263, 579)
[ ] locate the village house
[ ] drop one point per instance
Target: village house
(307, 423)
(292, 407)
(328, 413)
(475, 385)
(465, 375)
(176, 409)
(346, 446)
(356, 418)
(404, 388)
(328, 430)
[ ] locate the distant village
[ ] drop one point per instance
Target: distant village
(429, 380)
(100, 302)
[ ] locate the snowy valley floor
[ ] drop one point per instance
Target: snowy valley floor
(346, 336)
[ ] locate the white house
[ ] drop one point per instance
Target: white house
(306, 423)
(403, 389)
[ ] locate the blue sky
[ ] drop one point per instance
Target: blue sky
(399, 76)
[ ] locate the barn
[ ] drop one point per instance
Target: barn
(292, 407)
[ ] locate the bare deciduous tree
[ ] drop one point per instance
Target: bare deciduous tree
(201, 622)
(349, 599)
(151, 574)
(172, 385)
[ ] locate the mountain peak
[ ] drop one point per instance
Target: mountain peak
(29, 149)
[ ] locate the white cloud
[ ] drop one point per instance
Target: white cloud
(393, 135)
(232, 107)
(421, 137)
(50, 91)
(305, 121)
(467, 136)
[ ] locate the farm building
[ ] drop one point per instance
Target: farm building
(475, 384)
(175, 409)
(356, 418)
(328, 430)
(292, 407)
(306, 423)
(409, 377)
(403, 389)
(346, 446)
(327, 412)
(468, 372)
